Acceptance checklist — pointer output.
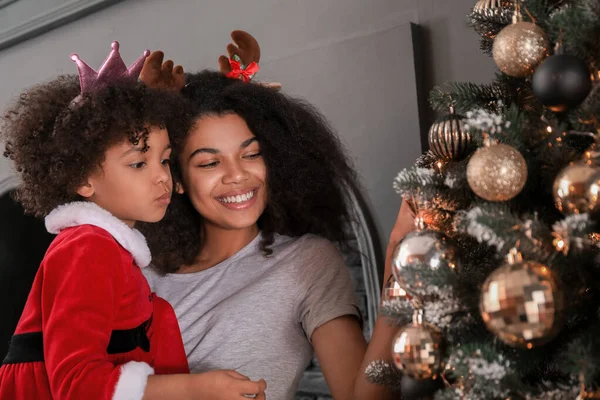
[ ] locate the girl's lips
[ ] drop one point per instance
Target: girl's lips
(165, 199)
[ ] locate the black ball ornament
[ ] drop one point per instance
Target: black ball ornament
(561, 82)
(413, 389)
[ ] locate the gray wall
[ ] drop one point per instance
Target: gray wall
(378, 123)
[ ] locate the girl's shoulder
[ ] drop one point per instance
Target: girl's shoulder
(82, 236)
(87, 243)
(88, 226)
(89, 255)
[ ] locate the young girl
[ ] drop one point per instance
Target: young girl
(93, 157)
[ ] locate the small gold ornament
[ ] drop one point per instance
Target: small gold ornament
(393, 290)
(521, 303)
(417, 349)
(572, 191)
(497, 172)
(485, 6)
(520, 47)
(448, 138)
(484, 10)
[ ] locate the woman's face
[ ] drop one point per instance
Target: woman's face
(223, 172)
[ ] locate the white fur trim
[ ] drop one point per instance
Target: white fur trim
(88, 213)
(132, 381)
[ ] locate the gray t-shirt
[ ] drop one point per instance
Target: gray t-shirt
(256, 314)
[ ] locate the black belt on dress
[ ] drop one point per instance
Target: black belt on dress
(29, 347)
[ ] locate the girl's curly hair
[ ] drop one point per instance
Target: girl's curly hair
(56, 140)
(308, 172)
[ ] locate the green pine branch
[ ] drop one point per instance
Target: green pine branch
(488, 23)
(495, 225)
(468, 96)
(578, 28)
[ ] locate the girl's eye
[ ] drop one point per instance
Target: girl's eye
(137, 165)
(166, 161)
(252, 156)
(209, 165)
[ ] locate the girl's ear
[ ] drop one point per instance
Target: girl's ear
(179, 188)
(87, 190)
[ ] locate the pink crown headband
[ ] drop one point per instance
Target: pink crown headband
(112, 69)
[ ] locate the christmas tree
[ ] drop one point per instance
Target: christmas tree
(497, 292)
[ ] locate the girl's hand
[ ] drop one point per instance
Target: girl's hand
(226, 385)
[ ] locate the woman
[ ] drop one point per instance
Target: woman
(245, 253)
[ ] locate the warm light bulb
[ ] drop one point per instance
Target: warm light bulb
(440, 165)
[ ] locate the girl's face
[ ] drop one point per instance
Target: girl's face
(131, 184)
(224, 173)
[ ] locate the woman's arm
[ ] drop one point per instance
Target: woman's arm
(340, 347)
(380, 346)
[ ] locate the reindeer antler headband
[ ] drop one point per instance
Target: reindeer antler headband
(159, 75)
(244, 56)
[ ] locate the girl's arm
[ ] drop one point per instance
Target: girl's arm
(212, 385)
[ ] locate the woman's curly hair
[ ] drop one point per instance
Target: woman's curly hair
(56, 139)
(308, 172)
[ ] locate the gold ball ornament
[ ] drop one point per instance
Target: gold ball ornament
(417, 349)
(497, 172)
(448, 139)
(519, 48)
(425, 249)
(522, 304)
(572, 191)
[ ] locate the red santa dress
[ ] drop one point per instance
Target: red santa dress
(91, 328)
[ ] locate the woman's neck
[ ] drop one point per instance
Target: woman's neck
(220, 244)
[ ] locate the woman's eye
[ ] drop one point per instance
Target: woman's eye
(209, 165)
(252, 156)
(166, 161)
(137, 165)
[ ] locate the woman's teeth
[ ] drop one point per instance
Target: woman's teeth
(240, 198)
